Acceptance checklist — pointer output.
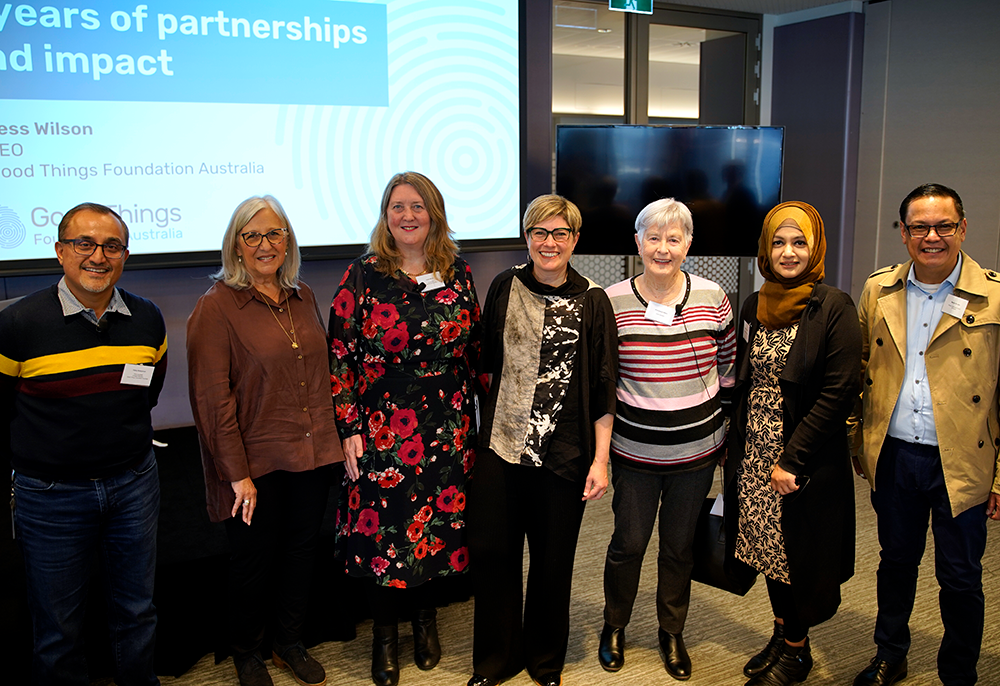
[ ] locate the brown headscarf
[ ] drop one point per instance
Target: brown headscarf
(782, 300)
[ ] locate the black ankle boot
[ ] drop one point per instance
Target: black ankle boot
(611, 651)
(385, 655)
(791, 667)
(767, 657)
(426, 646)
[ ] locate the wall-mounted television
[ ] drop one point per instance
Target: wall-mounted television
(730, 177)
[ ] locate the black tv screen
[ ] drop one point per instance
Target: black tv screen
(730, 177)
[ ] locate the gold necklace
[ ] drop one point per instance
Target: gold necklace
(290, 335)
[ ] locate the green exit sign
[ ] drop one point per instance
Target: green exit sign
(636, 6)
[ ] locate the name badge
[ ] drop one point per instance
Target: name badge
(430, 282)
(746, 331)
(660, 313)
(137, 375)
(954, 305)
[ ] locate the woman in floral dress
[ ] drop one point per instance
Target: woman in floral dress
(404, 332)
(790, 495)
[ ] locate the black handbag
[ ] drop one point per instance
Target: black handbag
(710, 555)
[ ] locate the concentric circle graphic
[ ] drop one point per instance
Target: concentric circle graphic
(452, 115)
(12, 232)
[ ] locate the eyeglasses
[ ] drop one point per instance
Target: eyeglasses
(942, 230)
(539, 235)
(274, 237)
(86, 248)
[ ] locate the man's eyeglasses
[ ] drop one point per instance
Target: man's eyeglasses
(86, 247)
(538, 234)
(921, 230)
(274, 237)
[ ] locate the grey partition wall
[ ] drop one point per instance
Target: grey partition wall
(816, 97)
(928, 115)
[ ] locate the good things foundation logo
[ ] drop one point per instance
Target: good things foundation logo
(12, 230)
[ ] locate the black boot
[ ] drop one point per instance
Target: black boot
(792, 666)
(385, 655)
(426, 646)
(675, 655)
(767, 657)
(611, 652)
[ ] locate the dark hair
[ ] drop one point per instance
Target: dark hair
(92, 207)
(931, 190)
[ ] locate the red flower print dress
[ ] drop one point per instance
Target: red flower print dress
(402, 364)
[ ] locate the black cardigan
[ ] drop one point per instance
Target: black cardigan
(819, 385)
(593, 385)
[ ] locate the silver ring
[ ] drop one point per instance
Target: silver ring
(246, 502)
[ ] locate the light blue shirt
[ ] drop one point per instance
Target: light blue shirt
(913, 418)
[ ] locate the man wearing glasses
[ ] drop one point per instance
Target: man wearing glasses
(928, 434)
(81, 366)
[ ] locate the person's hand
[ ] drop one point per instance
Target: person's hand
(858, 469)
(783, 481)
(993, 506)
(246, 498)
(597, 481)
(354, 446)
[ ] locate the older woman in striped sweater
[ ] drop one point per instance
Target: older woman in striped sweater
(676, 348)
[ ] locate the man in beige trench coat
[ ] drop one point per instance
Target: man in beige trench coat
(928, 435)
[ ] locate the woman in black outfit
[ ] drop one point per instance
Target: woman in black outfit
(797, 376)
(550, 346)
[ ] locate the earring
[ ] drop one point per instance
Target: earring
(240, 258)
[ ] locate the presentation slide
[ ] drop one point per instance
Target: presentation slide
(172, 112)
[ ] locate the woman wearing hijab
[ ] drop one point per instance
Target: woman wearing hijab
(797, 376)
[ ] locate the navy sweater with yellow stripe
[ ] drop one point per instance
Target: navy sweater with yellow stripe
(66, 413)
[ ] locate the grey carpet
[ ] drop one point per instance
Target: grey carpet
(722, 630)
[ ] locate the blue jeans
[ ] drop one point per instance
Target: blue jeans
(61, 525)
(909, 490)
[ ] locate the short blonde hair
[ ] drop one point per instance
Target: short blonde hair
(440, 248)
(547, 206)
(233, 272)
